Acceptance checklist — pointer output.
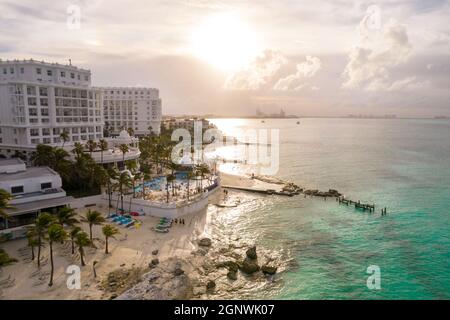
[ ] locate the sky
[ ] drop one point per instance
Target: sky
(310, 58)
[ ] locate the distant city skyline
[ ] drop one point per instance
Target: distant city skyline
(231, 57)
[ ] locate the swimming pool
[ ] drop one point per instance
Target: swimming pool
(159, 183)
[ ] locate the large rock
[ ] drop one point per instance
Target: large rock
(178, 272)
(204, 242)
(251, 253)
(210, 285)
(231, 265)
(232, 275)
(249, 266)
(154, 262)
(269, 269)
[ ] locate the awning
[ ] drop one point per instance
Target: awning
(37, 205)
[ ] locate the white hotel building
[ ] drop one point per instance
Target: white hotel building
(131, 107)
(39, 101)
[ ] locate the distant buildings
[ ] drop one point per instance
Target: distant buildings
(280, 115)
(34, 189)
(135, 108)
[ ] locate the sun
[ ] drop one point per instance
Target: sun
(225, 41)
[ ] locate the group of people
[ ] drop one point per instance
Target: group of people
(181, 221)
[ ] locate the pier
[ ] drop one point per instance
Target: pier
(357, 204)
(263, 191)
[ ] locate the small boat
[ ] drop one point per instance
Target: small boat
(298, 122)
(262, 121)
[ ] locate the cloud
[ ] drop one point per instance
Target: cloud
(370, 63)
(258, 73)
(305, 70)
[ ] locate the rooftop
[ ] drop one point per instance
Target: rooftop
(43, 63)
(8, 162)
(30, 172)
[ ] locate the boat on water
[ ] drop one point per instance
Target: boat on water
(298, 122)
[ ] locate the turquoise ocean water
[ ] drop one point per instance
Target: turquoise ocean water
(403, 165)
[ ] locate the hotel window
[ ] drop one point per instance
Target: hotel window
(47, 140)
(49, 73)
(63, 74)
(11, 70)
(43, 91)
(35, 141)
(31, 101)
(22, 70)
(5, 71)
(34, 132)
(32, 112)
(38, 70)
(45, 131)
(86, 78)
(31, 91)
(72, 75)
(46, 185)
(16, 189)
(44, 102)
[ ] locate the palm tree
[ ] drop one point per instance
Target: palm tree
(82, 240)
(91, 145)
(55, 233)
(124, 149)
(203, 170)
(189, 176)
(93, 218)
(66, 216)
(169, 180)
(73, 233)
(5, 197)
(103, 145)
(124, 181)
(78, 150)
(112, 175)
(109, 231)
(43, 156)
(64, 137)
(42, 223)
(32, 240)
(136, 175)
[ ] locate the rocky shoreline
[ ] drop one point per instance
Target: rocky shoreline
(212, 271)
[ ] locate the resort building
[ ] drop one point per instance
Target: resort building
(127, 108)
(39, 101)
(34, 190)
(171, 123)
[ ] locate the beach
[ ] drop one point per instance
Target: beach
(132, 254)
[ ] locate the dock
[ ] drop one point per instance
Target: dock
(357, 204)
(263, 191)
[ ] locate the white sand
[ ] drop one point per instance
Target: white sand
(132, 248)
